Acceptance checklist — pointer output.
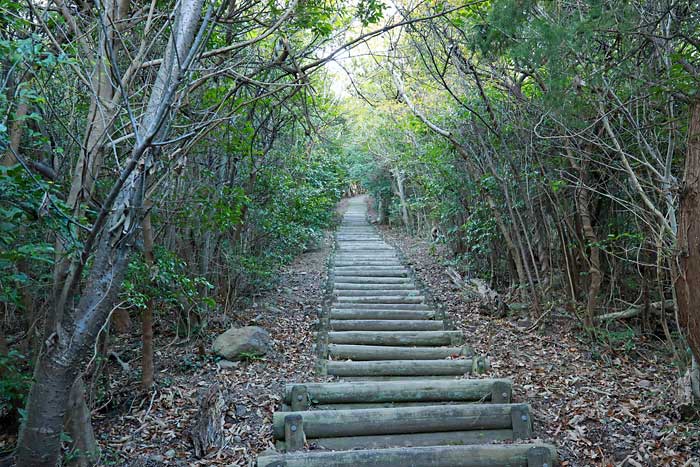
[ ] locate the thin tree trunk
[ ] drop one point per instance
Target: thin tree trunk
(583, 200)
(399, 176)
(147, 363)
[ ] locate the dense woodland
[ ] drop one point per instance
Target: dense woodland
(161, 161)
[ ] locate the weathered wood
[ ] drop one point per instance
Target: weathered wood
(396, 338)
(539, 457)
(299, 398)
(341, 286)
(427, 419)
(367, 272)
(208, 430)
(468, 390)
(521, 422)
(376, 405)
(494, 455)
(293, 432)
(381, 306)
(384, 291)
(501, 392)
(445, 438)
(385, 352)
(382, 314)
(631, 312)
(386, 325)
(383, 299)
(455, 367)
(372, 280)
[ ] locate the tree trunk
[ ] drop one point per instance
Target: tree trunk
(399, 175)
(83, 447)
(688, 274)
(147, 317)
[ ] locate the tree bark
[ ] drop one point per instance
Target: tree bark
(83, 447)
(147, 317)
(399, 176)
(688, 262)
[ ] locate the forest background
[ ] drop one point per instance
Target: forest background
(161, 161)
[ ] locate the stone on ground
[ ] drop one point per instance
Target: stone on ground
(242, 343)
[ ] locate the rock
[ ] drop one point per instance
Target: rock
(227, 365)
(170, 453)
(242, 343)
(241, 410)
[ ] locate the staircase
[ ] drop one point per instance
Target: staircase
(402, 396)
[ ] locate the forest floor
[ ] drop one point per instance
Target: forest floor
(601, 404)
(154, 430)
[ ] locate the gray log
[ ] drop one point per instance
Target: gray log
(403, 367)
(398, 338)
(386, 325)
(373, 280)
(467, 390)
(384, 352)
(427, 419)
(389, 299)
(447, 438)
(495, 455)
(385, 290)
(366, 272)
(350, 286)
(381, 314)
(381, 306)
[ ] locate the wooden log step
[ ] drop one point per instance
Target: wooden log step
(386, 325)
(388, 299)
(382, 314)
(366, 272)
(372, 280)
(365, 379)
(395, 263)
(456, 367)
(367, 287)
(380, 267)
(384, 352)
(375, 256)
(381, 306)
(425, 419)
(396, 338)
(368, 249)
(487, 455)
(375, 405)
(447, 438)
(386, 291)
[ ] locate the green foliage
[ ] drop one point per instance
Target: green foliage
(15, 381)
(168, 284)
(27, 206)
